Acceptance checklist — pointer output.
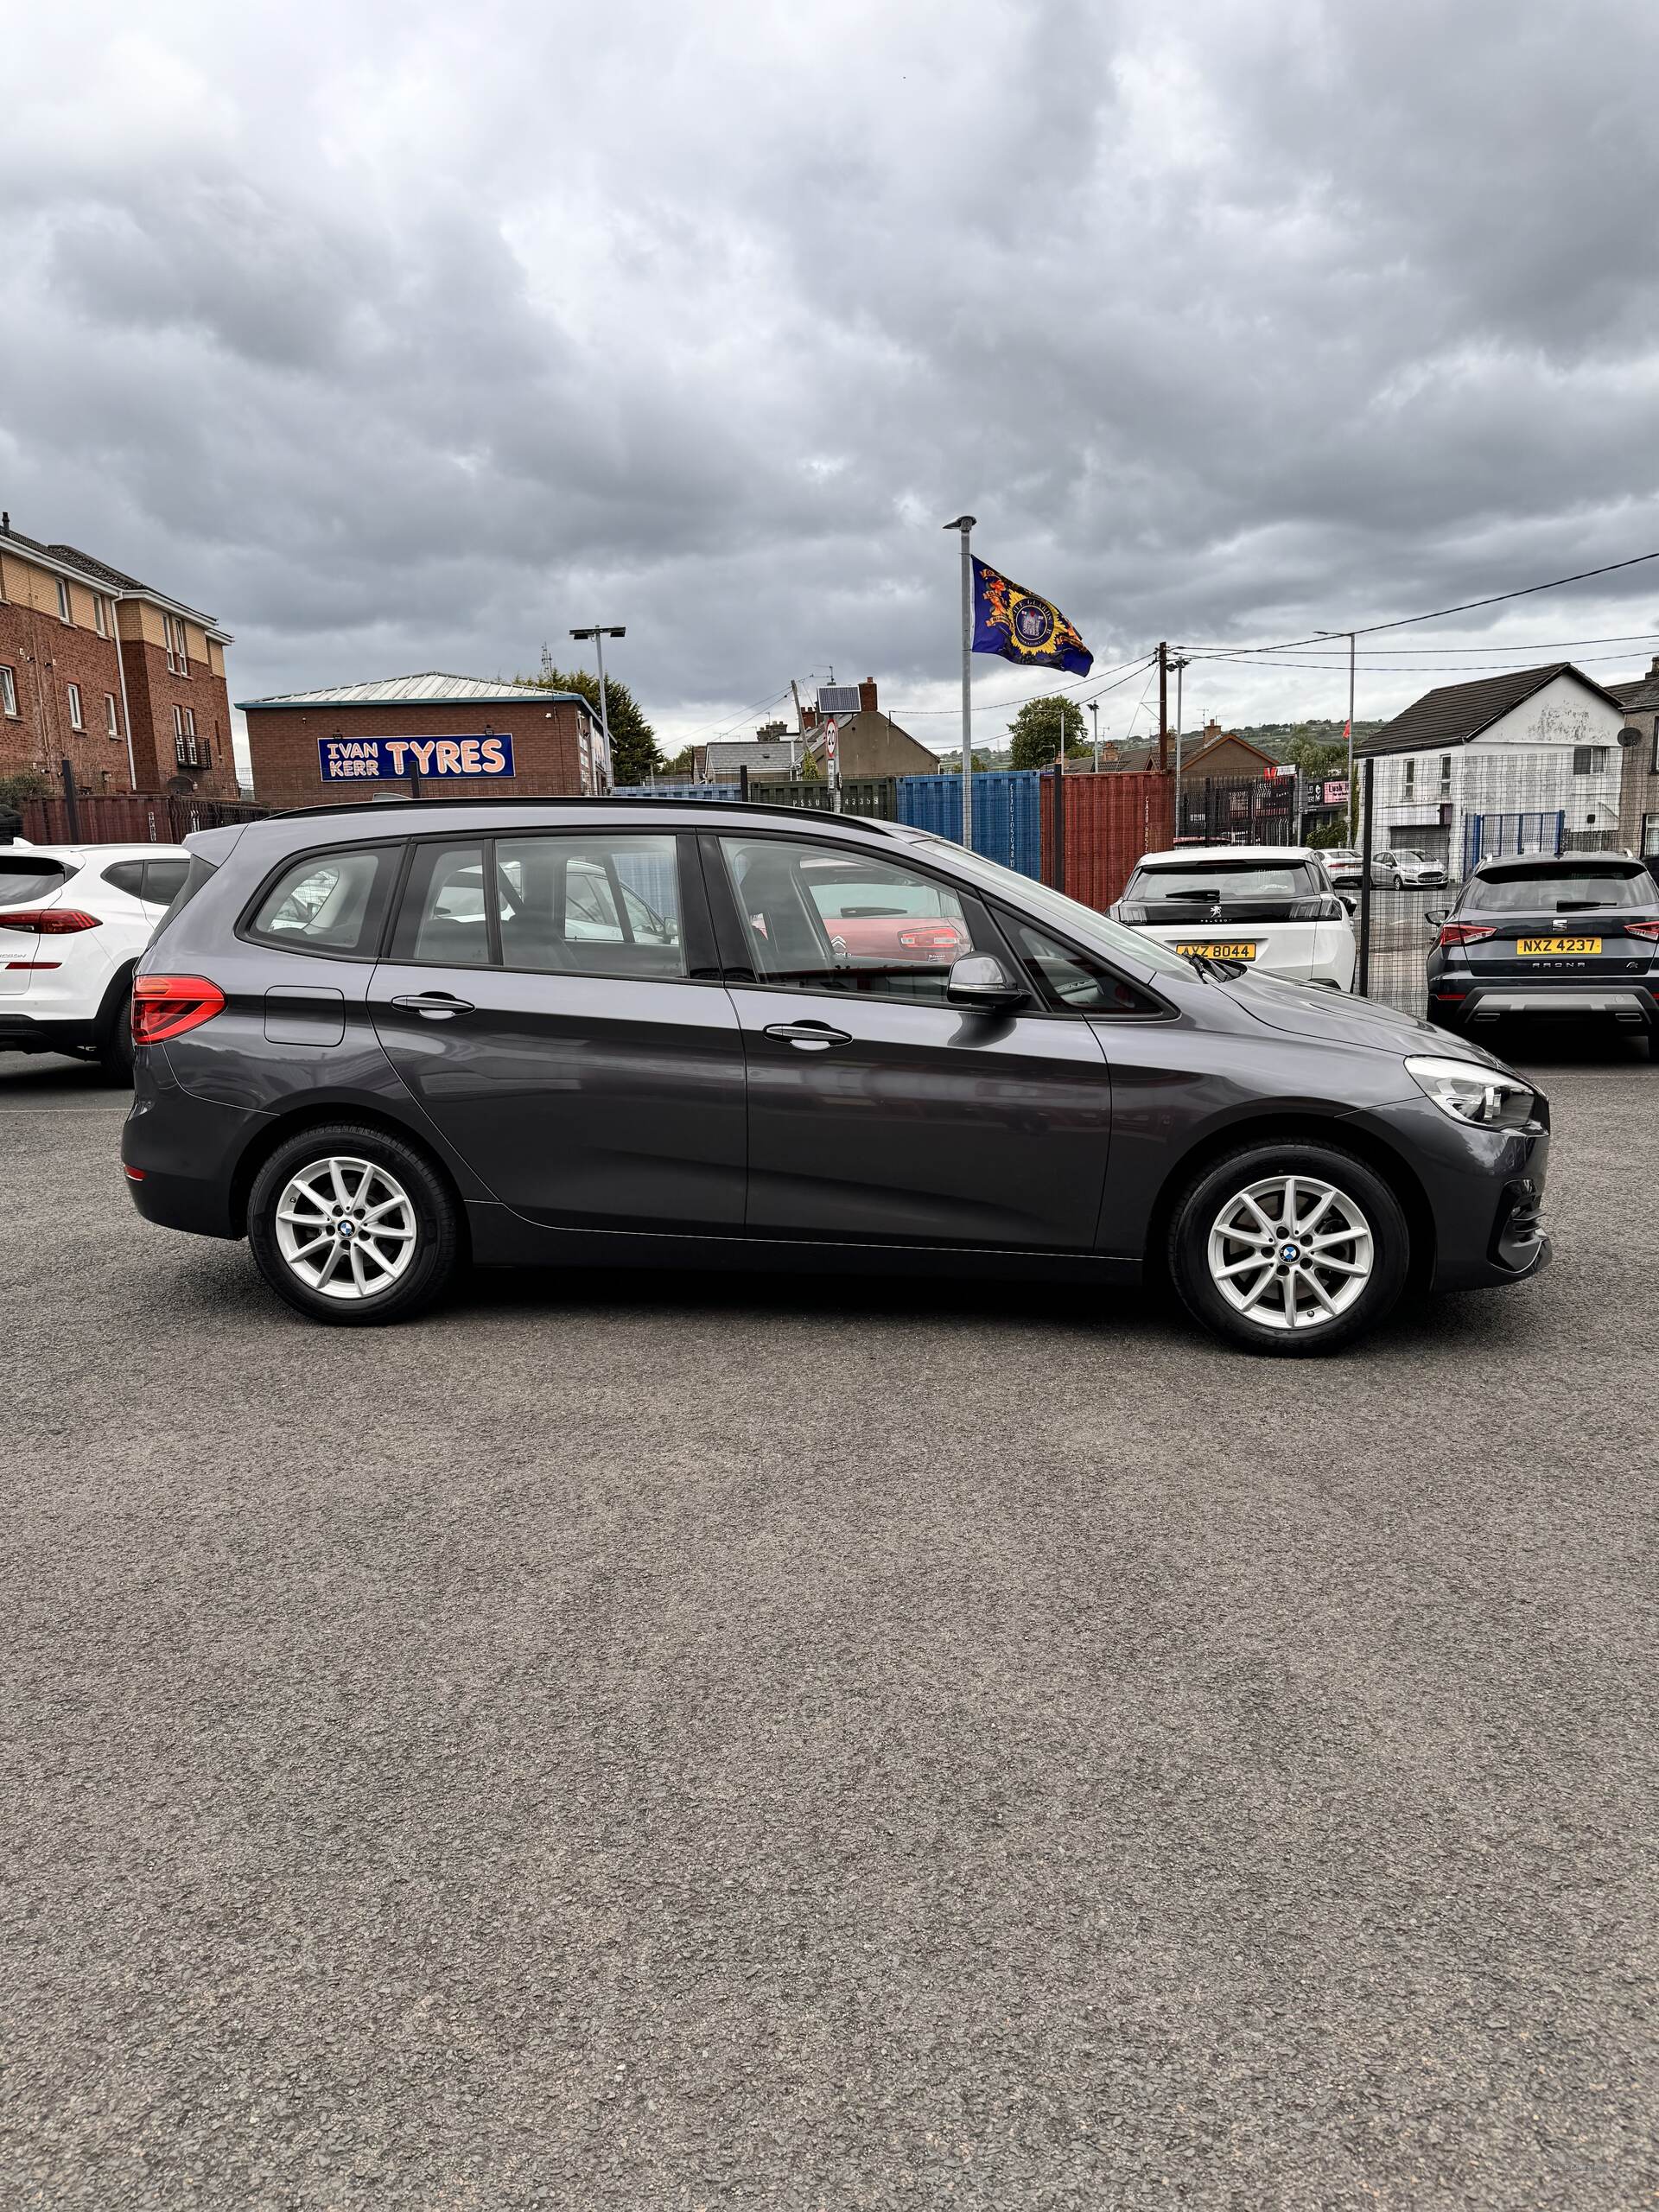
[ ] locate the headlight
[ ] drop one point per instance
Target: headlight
(1468, 1092)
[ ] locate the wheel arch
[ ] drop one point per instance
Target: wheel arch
(317, 1114)
(1381, 1157)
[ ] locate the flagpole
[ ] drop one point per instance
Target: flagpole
(964, 523)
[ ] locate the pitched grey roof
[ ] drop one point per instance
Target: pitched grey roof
(412, 691)
(71, 560)
(1453, 713)
(1642, 691)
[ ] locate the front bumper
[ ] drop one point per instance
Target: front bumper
(1485, 1190)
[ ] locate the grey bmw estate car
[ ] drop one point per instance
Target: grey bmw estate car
(379, 1040)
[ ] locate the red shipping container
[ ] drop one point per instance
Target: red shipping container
(1108, 821)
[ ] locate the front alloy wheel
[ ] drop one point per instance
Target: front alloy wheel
(1290, 1247)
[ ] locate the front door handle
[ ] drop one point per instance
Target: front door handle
(807, 1036)
(435, 1006)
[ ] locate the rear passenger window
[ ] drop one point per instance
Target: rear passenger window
(591, 905)
(329, 903)
(442, 922)
(127, 876)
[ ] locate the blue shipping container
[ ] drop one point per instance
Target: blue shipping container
(1007, 813)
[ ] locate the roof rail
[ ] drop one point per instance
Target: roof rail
(745, 807)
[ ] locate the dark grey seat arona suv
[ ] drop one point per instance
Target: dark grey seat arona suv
(377, 1039)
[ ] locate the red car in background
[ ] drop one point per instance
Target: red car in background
(869, 917)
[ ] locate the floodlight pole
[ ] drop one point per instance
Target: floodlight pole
(599, 632)
(965, 524)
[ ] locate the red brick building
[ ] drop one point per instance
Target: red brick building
(122, 681)
(385, 736)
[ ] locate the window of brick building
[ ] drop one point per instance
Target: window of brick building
(77, 720)
(111, 716)
(8, 689)
(178, 645)
(101, 613)
(66, 613)
(184, 737)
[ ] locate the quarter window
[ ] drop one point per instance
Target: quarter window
(163, 881)
(329, 903)
(128, 876)
(1067, 978)
(818, 919)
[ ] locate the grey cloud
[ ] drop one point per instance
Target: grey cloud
(456, 329)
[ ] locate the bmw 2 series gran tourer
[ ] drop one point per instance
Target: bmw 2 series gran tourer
(380, 1040)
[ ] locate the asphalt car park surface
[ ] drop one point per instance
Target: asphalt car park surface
(635, 1742)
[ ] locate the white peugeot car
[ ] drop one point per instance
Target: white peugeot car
(73, 920)
(1269, 906)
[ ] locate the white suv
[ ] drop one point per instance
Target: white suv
(1270, 906)
(74, 919)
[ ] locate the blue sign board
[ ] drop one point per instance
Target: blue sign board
(394, 759)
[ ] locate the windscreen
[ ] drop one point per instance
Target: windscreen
(1528, 890)
(1230, 881)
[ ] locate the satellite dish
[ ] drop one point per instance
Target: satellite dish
(1629, 736)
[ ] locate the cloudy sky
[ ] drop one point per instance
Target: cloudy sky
(404, 336)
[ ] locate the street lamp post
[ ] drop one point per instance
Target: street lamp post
(1094, 716)
(1179, 662)
(599, 631)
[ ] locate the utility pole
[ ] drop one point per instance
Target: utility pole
(1177, 662)
(965, 524)
(1350, 742)
(1094, 716)
(599, 631)
(1163, 708)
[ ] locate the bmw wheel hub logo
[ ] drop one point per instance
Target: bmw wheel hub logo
(1290, 1252)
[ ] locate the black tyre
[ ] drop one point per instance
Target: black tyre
(1289, 1248)
(114, 1050)
(354, 1227)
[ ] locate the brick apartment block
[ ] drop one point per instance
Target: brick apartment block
(552, 737)
(125, 683)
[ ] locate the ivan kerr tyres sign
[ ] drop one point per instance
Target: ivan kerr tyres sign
(394, 759)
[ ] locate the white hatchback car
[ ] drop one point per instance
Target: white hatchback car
(73, 920)
(1270, 906)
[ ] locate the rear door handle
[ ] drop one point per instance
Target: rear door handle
(436, 1006)
(807, 1036)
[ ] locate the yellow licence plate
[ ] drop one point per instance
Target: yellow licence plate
(1557, 944)
(1222, 951)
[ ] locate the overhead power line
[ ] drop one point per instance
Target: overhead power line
(1436, 614)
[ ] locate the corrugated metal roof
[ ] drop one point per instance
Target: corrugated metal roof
(409, 691)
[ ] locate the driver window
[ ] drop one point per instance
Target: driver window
(820, 917)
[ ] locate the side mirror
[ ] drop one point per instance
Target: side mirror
(980, 979)
(1352, 905)
(1434, 916)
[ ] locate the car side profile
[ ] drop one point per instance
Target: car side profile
(73, 920)
(378, 1041)
(1535, 937)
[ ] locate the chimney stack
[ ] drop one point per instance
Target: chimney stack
(867, 695)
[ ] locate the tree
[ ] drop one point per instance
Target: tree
(23, 783)
(1036, 732)
(1316, 758)
(634, 756)
(684, 765)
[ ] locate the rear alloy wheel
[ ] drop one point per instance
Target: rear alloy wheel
(352, 1226)
(1289, 1248)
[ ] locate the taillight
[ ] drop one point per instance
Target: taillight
(1642, 929)
(1466, 933)
(50, 921)
(934, 940)
(165, 1005)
